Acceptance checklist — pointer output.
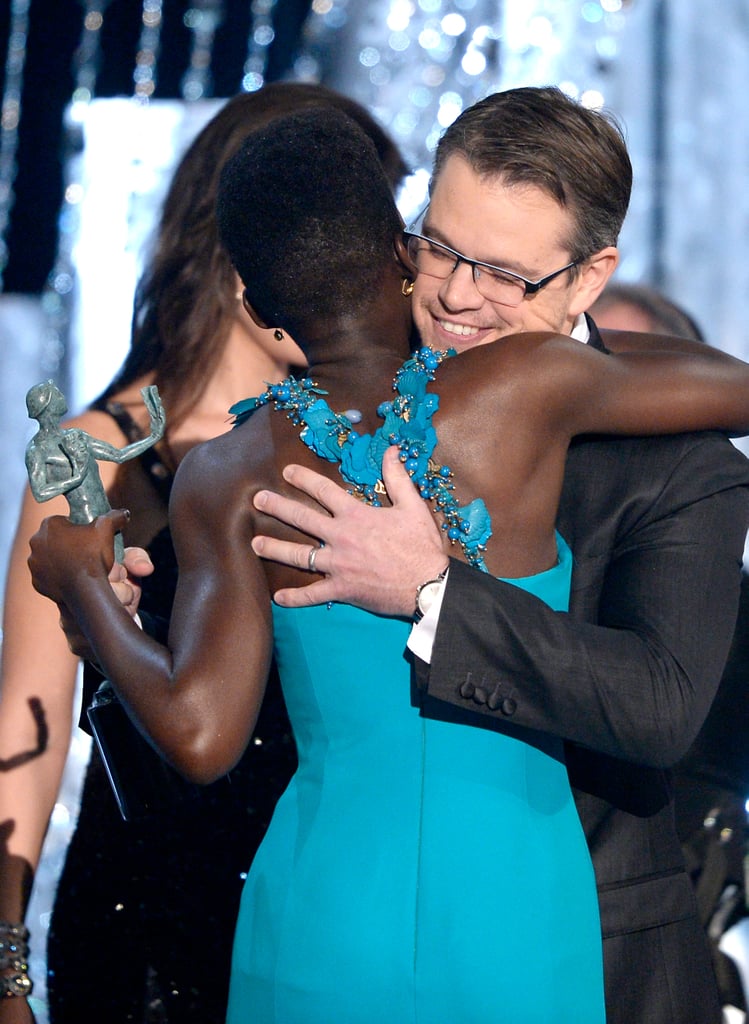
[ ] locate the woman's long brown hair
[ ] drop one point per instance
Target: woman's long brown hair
(186, 298)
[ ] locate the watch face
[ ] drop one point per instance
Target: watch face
(427, 595)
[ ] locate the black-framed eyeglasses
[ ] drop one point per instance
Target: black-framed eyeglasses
(494, 283)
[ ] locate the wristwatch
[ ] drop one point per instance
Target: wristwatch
(426, 594)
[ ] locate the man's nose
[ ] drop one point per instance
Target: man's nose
(459, 290)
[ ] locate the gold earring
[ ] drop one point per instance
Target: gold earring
(407, 286)
(278, 334)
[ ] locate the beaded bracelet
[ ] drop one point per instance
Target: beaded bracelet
(18, 984)
(16, 962)
(11, 950)
(14, 951)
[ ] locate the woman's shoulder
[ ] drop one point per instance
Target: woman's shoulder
(123, 414)
(98, 424)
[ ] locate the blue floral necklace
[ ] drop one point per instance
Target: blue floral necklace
(407, 424)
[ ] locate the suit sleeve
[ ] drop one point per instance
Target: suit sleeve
(635, 680)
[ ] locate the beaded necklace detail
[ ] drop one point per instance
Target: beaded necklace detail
(407, 425)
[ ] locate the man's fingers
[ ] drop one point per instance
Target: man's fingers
(400, 487)
(326, 492)
(297, 556)
(286, 552)
(320, 592)
(294, 513)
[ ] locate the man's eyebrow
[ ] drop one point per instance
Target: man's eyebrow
(436, 234)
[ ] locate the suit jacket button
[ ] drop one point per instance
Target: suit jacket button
(509, 706)
(467, 689)
(480, 696)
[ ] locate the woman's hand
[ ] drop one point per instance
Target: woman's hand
(373, 558)
(63, 552)
(128, 592)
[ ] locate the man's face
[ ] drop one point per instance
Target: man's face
(521, 229)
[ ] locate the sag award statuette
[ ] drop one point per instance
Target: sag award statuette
(62, 460)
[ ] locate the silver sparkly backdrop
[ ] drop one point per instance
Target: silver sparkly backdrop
(706, 250)
(680, 89)
(416, 66)
(676, 72)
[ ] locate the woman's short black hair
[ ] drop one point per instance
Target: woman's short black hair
(307, 216)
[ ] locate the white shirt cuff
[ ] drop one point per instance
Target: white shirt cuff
(421, 639)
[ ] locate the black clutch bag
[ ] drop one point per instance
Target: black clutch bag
(144, 784)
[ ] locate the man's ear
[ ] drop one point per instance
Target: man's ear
(593, 278)
(252, 312)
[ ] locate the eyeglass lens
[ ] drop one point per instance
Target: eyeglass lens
(438, 261)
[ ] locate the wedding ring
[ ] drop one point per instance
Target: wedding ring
(311, 559)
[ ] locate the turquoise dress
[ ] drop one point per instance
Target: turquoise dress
(415, 871)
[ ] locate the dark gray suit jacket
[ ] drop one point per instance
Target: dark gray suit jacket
(656, 527)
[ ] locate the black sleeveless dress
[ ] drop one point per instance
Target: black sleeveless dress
(144, 914)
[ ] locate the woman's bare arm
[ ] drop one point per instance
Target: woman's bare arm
(38, 686)
(639, 341)
(37, 691)
(197, 699)
(640, 389)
